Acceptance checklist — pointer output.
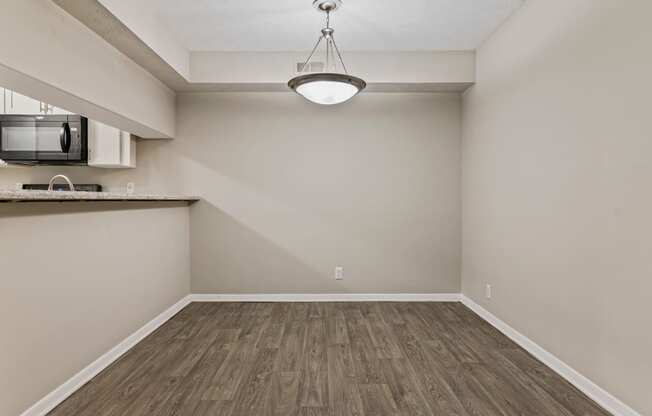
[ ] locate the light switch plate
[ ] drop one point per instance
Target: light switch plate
(339, 273)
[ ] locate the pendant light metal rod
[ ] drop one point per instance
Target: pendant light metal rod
(328, 53)
(327, 34)
(339, 55)
(305, 64)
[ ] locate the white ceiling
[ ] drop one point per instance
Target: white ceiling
(292, 25)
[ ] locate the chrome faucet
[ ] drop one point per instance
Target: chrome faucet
(65, 178)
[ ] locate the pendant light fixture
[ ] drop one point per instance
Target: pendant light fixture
(331, 86)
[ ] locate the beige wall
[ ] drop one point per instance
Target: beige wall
(556, 185)
(75, 280)
(291, 190)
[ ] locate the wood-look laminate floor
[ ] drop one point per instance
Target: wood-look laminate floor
(318, 359)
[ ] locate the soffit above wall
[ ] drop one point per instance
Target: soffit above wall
(69, 66)
(101, 21)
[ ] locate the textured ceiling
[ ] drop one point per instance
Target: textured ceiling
(285, 25)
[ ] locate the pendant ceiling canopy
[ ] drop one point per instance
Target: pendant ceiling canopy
(334, 85)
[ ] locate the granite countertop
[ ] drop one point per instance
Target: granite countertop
(45, 196)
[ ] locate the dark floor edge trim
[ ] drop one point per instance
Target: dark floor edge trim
(609, 402)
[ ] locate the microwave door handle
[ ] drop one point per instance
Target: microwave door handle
(64, 137)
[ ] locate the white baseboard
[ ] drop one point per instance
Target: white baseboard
(54, 398)
(328, 297)
(600, 396)
(586, 386)
(62, 392)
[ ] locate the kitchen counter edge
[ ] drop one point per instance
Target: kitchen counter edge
(67, 196)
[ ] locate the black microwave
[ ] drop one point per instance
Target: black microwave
(44, 139)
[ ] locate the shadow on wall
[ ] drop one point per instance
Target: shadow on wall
(291, 190)
(229, 257)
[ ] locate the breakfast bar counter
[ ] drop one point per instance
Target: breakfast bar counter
(68, 196)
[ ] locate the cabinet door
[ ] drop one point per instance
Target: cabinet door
(104, 145)
(128, 151)
(2, 100)
(20, 104)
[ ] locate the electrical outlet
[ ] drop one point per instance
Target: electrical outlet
(339, 273)
(487, 291)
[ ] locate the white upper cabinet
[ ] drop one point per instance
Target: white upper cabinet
(103, 145)
(127, 150)
(109, 147)
(21, 104)
(12, 102)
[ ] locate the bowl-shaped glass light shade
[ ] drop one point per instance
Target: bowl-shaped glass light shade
(327, 92)
(327, 88)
